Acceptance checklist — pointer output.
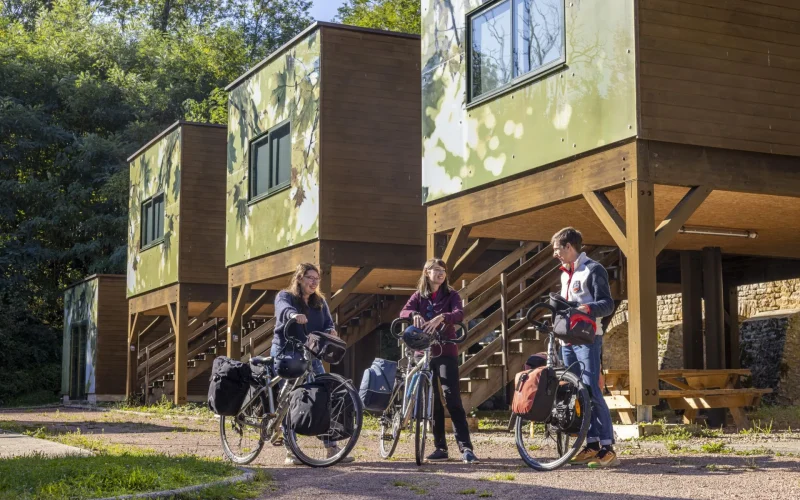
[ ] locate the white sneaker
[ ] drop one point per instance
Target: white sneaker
(291, 459)
(333, 450)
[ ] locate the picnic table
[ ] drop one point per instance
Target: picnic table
(689, 390)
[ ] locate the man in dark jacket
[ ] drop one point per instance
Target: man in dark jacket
(586, 282)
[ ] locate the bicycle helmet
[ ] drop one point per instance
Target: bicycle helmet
(290, 365)
(416, 338)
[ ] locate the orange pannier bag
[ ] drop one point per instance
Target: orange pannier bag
(534, 392)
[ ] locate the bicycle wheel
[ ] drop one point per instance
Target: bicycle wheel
(421, 419)
(327, 449)
(391, 420)
(548, 446)
(242, 436)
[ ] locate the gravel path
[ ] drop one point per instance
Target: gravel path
(648, 470)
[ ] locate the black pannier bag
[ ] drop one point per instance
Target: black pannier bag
(342, 411)
(574, 327)
(377, 384)
(310, 409)
(326, 347)
(228, 386)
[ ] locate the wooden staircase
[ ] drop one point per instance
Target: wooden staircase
(156, 367)
(499, 298)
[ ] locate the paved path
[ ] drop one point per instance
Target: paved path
(15, 445)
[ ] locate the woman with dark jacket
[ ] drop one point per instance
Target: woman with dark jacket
(303, 302)
(433, 304)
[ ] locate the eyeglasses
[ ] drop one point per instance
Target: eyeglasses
(437, 270)
(311, 279)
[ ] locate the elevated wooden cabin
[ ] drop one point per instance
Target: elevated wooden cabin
(95, 333)
(666, 131)
(176, 260)
(323, 167)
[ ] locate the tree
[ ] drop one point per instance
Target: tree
(392, 15)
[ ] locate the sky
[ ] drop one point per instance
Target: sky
(325, 10)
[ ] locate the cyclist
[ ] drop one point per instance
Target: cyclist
(586, 282)
(435, 303)
(304, 302)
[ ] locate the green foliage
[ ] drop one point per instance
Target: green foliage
(83, 84)
(393, 15)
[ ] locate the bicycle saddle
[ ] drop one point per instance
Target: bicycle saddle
(261, 360)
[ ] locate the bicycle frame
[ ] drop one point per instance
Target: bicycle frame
(410, 397)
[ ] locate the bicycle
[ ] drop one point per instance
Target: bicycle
(561, 435)
(261, 420)
(412, 393)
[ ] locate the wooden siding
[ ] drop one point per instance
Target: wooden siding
(721, 74)
(370, 130)
(203, 184)
(112, 326)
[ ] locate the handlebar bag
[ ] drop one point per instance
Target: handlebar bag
(326, 347)
(574, 327)
(377, 384)
(534, 392)
(310, 409)
(228, 386)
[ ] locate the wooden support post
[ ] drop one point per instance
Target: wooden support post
(692, 309)
(325, 275)
(731, 303)
(237, 296)
(504, 332)
(180, 317)
(642, 322)
(454, 246)
(133, 355)
(715, 312)
(436, 244)
(147, 376)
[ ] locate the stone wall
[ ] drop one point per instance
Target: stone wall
(770, 346)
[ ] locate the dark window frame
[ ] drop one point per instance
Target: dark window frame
(145, 225)
(522, 79)
(259, 141)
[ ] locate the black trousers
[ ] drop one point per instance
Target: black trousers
(445, 372)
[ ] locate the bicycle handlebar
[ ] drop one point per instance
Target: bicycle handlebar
(397, 329)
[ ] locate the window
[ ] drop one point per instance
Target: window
(153, 220)
(271, 162)
(513, 40)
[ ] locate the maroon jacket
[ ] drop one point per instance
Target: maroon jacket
(446, 302)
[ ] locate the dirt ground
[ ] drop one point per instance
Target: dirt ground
(648, 469)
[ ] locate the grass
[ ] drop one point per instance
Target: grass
(754, 451)
(419, 490)
(500, 476)
(115, 470)
(782, 417)
(38, 398)
(486, 494)
(715, 448)
(468, 491)
(758, 429)
(164, 407)
(370, 422)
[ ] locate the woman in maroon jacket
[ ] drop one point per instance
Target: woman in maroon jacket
(432, 304)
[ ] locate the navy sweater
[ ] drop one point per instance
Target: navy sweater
(286, 305)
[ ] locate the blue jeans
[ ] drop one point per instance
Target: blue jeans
(600, 428)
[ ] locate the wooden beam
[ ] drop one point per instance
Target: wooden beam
(377, 255)
(153, 300)
(692, 309)
(493, 272)
(348, 287)
(469, 258)
(236, 302)
(256, 305)
(679, 215)
(454, 246)
(722, 169)
(540, 188)
(204, 314)
(181, 316)
(609, 216)
(714, 310)
(152, 326)
(272, 266)
(133, 355)
(642, 309)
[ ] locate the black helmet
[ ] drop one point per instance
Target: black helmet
(416, 338)
(290, 365)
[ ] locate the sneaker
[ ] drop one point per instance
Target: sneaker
(333, 450)
(585, 456)
(605, 458)
(469, 457)
(291, 459)
(439, 455)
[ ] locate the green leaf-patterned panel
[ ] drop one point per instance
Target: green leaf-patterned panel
(80, 307)
(154, 171)
(586, 104)
(287, 88)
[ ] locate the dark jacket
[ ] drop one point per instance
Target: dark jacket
(446, 302)
(286, 305)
